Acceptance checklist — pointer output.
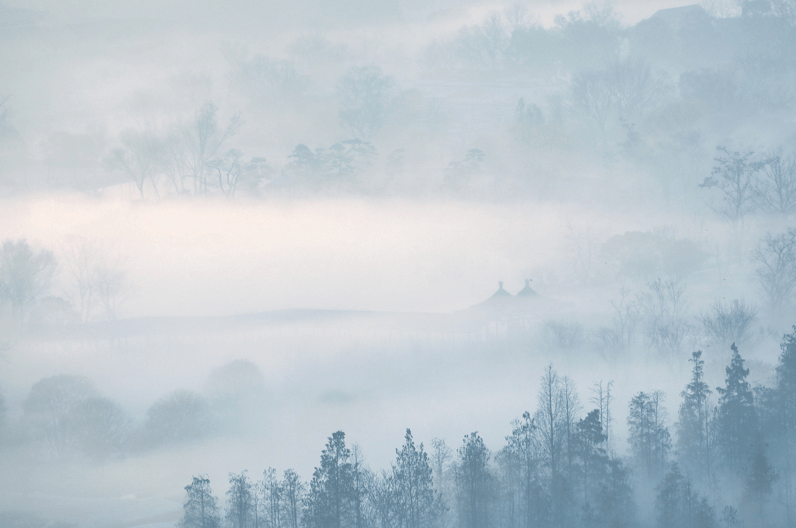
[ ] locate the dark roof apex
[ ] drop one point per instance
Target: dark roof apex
(527, 291)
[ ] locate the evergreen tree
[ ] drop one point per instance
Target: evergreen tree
(669, 498)
(694, 442)
(614, 506)
(416, 500)
(648, 435)
(760, 476)
(240, 501)
(679, 506)
(779, 416)
(200, 510)
(737, 419)
(474, 483)
(330, 499)
(591, 451)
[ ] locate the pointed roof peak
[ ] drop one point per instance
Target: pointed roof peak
(500, 291)
(527, 290)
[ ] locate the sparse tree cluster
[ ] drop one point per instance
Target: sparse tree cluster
(92, 280)
(556, 468)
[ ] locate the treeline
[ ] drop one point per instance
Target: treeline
(722, 463)
(659, 95)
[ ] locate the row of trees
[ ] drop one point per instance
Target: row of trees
(195, 159)
(659, 319)
(190, 158)
(558, 468)
(93, 282)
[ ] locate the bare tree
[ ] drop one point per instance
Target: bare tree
(293, 492)
(722, 8)
(628, 88)
(776, 268)
(634, 87)
(734, 176)
(571, 408)
(621, 336)
(584, 248)
(775, 190)
(592, 97)
(112, 288)
(140, 157)
(364, 95)
(486, 43)
(25, 274)
(565, 335)
(663, 310)
(517, 17)
(201, 139)
(95, 279)
(175, 165)
(549, 417)
(228, 169)
(728, 323)
(79, 257)
(601, 397)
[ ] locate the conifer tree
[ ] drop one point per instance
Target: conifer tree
(679, 506)
(694, 442)
(780, 417)
(737, 419)
(330, 499)
(614, 506)
(760, 476)
(474, 483)
(593, 459)
(648, 435)
(416, 500)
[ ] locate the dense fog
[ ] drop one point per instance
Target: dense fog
(397, 264)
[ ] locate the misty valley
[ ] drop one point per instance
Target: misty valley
(400, 264)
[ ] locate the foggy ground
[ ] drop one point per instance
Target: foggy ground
(323, 373)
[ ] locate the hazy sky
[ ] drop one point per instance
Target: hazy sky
(249, 15)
